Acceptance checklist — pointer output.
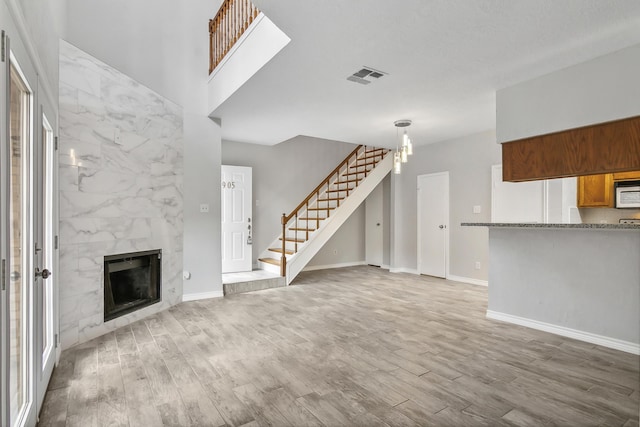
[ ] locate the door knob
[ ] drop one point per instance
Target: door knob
(441, 226)
(44, 273)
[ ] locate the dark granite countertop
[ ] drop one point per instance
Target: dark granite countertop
(540, 225)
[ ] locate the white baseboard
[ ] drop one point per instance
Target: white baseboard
(614, 343)
(328, 266)
(202, 295)
(468, 280)
(403, 270)
(385, 267)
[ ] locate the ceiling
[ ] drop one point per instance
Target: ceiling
(445, 60)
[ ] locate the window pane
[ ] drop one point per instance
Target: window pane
(19, 121)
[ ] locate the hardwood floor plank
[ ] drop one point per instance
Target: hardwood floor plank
(263, 411)
(141, 410)
(350, 346)
(54, 408)
(82, 408)
(287, 405)
(322, 409)
(231, 408)
(111, 398)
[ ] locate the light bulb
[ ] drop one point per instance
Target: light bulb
(405, 139)
(409, 147)
(397, 164)
(403, 155)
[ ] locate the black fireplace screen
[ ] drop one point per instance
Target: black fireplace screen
(131, 281)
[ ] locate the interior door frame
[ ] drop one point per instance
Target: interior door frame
(447, 225)
(248, 197)
(44, 369)
(4, 229)
(19, 47)
(377, 209)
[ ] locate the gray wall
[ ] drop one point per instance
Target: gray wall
(173, 61)
(586, 280)
(307, 160)
(600, 90)
(468, 161)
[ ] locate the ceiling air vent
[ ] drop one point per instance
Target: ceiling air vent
(366, 75)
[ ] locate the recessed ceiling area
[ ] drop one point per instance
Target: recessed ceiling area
(444, 62)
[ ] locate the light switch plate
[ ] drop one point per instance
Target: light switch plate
(477, 209)
(204, 208)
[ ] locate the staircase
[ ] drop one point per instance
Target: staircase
(308, 227)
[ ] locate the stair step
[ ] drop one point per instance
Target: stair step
(373, 156)
(302, 229)
(291, 239)
(321, 209)
(363, 164)
(271, 261)
(356, 173)
(340, 190)
(331, 199)
(279, 250)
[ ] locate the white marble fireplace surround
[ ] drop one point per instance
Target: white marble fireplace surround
(121, 179)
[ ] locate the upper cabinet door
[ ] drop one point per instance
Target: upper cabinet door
(595, 191)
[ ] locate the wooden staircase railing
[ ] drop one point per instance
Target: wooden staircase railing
(231, 21)
(337, 177)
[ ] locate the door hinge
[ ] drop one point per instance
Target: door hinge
(55, 242)
(55, 143)
(2, 48)
(4, 275)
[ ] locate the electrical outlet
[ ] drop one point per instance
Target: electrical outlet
(478, 265)
(477, 209)
(204, 208)
(630, 221)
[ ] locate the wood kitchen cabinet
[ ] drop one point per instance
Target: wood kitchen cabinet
(626, 176)
(595, 191)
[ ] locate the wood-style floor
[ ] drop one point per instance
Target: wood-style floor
(347, 347)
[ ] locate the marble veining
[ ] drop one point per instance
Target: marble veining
(121, 180)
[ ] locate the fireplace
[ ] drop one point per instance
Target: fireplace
(131, 281)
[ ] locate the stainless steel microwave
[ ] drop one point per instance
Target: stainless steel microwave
(628, 194)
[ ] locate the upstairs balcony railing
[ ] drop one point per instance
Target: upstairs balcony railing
(231, 21)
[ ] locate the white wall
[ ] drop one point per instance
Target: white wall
(602, 89)
(283, 175)
(468, 161)
(173, 61)
(45, 23)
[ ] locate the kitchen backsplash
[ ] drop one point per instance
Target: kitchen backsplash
(610, 216)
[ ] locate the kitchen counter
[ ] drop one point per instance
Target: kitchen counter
(577, 280)
(540, 225)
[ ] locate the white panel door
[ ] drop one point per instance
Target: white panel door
(374, 228)
(433, 224)
(237, 227)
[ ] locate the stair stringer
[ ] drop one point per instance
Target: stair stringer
(330, 225)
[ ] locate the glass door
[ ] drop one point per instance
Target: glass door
(43, 253)
(27, 221)
(19, 259)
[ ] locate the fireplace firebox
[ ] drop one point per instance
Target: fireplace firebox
(131, 281)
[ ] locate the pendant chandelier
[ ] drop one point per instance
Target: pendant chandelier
(404, 148)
